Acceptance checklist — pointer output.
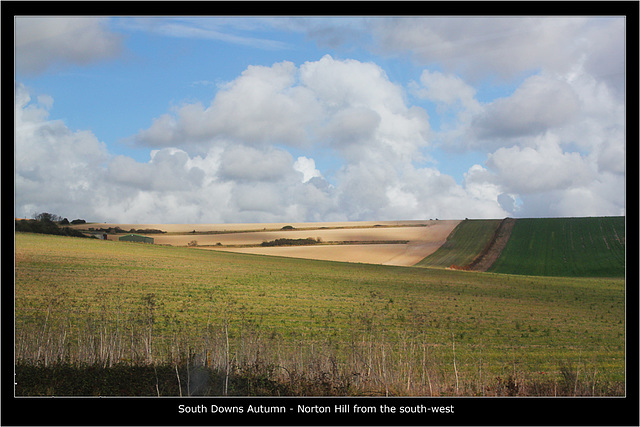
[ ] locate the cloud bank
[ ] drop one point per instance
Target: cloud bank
(229, 161)
(555, 146)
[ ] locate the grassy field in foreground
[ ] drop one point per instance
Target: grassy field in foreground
(577, 247)
(464, 243)
(362, 329)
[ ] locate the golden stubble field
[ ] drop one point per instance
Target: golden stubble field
(361, 242)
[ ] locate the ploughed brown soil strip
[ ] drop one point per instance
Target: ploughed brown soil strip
(493, 249)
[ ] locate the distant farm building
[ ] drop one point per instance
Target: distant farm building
(136, 238)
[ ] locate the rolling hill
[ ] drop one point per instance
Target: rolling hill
(575, 247)
(572, 247)
(464, 243)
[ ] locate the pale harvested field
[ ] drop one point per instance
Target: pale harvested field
(328, 235)
(423, 237)
(370, 254)
(423, 241)
(387, 254)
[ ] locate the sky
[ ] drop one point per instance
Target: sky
(302, 119)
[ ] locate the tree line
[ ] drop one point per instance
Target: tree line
(47, 223)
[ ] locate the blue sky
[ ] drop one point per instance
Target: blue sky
(261, 119)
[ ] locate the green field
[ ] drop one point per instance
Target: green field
(336, 328)
(464, 243)
(576, 247)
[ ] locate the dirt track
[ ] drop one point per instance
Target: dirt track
(485, 260)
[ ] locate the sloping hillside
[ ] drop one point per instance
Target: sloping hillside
(463, 245)
(578, 247)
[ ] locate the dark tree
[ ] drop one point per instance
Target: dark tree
(47, 217)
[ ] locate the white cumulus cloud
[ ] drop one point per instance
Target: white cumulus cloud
(539, 104)
(307, 167)
(54, 165)
(555, 146)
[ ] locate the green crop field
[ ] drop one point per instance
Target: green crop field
(332, 328)
(464, 243)
(577, 247)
